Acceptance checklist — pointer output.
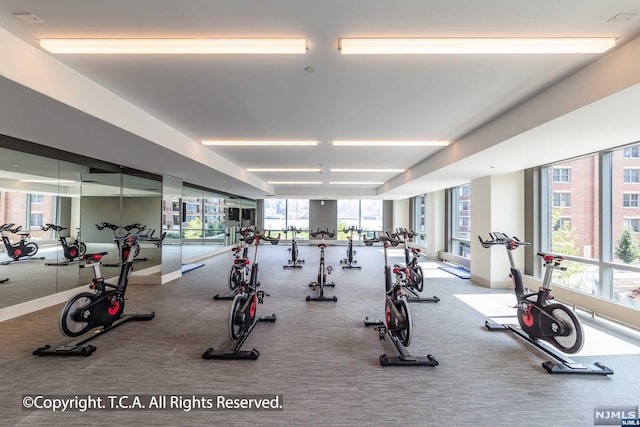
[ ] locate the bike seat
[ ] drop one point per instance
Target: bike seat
(94, 257)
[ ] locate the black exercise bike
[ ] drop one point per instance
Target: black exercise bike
(323, 270)
(349, 261)
(21, 250)
(243, 311)
(240, 268)
(294, 261)
(415, 275)
(71, 251)
(397, 324)
(538, 317)
(103, 308)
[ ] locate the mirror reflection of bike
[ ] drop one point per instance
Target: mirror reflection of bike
(71, 251)
(21, 250)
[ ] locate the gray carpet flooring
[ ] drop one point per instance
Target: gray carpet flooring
(318, 356)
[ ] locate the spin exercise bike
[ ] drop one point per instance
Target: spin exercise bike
(103, 308)
(242, 314)
(415, 276)
(120, 232)
(23, 249)
(323, 270)
(294, 261)
(71, 251)
(541, 320)
(397, 324)
(239, 270)
(349, 260)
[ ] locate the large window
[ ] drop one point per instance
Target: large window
(348, 215)
(419, 219)
(298, 216)
(371, 215)
(364, 214)
(461, 221)
(603, 184)
(275, 214)
(203, 216)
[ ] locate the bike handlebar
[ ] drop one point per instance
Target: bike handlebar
(498, 238)
(54, 227)
(259, 235)
(405, 233)
(352, 229)
(323, 231)
(384, 236)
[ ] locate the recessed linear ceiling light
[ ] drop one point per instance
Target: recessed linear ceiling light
(393, 143)
(367, 46)
(283, 169)
(355, 183)
(257, 143)
(367, 170)
(175, 46)
(294, 182)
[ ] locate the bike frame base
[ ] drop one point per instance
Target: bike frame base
(230, 296)
(292, 266)
(33, 258)
(404, 358)
(76, 348)
(415, 297)
(235, 353)
(349, 265)
(322, 298)
(564, 364)
(59, 264)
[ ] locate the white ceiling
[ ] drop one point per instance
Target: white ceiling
(494, 108)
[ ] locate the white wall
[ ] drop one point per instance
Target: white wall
(401, 214)
(497, 204)
(435, 226)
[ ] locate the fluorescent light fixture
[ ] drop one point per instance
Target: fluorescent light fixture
(174, 46)
(244, 143)
(49, 181)
(392, 143)
(367, 170)
(356, 183)
(367, 46)
(294, 182)
(283, 169)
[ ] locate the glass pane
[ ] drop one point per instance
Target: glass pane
(298, 216)
(275, 214)
(371, 215)
(462, 212)
(573, 207)
(626, 287)
(192, 224)
(580, 276)
(214, 216)
(625, 222)
(348, 215)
